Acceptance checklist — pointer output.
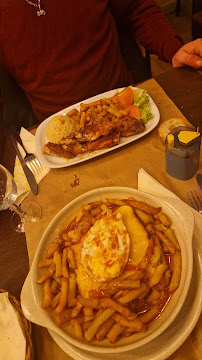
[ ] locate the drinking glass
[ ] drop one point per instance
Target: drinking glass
(24, 214)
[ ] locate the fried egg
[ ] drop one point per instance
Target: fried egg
(105, 248)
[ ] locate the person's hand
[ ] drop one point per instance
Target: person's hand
(189, 54)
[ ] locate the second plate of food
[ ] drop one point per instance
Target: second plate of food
(102, 136)
(118, 269)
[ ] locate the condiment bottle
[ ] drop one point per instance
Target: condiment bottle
(182, 152)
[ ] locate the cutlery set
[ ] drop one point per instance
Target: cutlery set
(30, 164)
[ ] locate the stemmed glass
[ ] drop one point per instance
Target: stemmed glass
(24, 214)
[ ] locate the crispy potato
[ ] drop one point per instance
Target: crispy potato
(114, 332)
(45, 263)
(110, 303)
(157, 275)
(47, 274)
(78, 332)
(177, 268)
(104, 329)
(47, 294)
(166, 241)
(64, 266)
(94, 303)
(58, 264)
(171, 236)
(91, 331)
(149, 315)
(63, 317)
(133, 294)
(72, 289)
(135, 323)
(63, 296)
(162, 218)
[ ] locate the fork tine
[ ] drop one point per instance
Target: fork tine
(195, 199)
(38, 165)
(31, 166)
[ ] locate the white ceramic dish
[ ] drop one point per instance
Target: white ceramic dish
(183, 225)
(57, 162)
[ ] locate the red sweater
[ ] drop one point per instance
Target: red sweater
(73, 52)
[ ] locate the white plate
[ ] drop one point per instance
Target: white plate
(58, 162)
(182, 223)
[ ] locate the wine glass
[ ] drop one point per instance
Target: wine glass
(24, 214)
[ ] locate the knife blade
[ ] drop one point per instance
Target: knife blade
(29, 175)
(199, 180)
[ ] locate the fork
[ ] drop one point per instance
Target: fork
(195, 199)
(31, 160)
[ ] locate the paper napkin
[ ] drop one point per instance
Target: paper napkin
(23, 188)
(12, 339)
(148, 184)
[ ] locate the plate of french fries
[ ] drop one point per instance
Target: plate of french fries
(112, 270)
(101, 127)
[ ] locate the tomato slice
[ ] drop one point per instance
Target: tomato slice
(125, 97)
(133, 111)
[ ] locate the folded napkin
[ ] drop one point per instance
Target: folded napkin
(12, 339)
(23, 188)
(148, 184)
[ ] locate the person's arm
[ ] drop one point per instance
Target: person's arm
(17, 111)
(190, 54)
(149, 26)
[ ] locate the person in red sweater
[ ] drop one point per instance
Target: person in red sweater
(59, 53)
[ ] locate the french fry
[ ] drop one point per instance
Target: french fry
(71, 259)
(158, 273)
(120, 285)
(162, 218)
(58, 265)
(149, 315)
(63, 296)
(171, 236)
(114, 332)
(177, 268)
(45, 263)
(55, 300)
(64, 266)
(78, 332)
(142, 206)
(76, 309)
(63, 317)
(72, 289)
(53, 247)
(47, 274)
(94, 303)
(47, 294)
(133, 294)
(104, 329)
(135, 324)
(166, 241)
(144, 218)
(88, 311)
(91, 331)
(110, 303)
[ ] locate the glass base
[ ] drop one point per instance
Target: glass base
(32, 213)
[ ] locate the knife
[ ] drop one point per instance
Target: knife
(199, 180)
(29, 175)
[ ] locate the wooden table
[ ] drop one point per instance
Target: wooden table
(184, 87)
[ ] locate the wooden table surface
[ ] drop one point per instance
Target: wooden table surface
(184, 87)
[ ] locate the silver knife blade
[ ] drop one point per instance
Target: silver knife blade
(199, 180)
(29, 175)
